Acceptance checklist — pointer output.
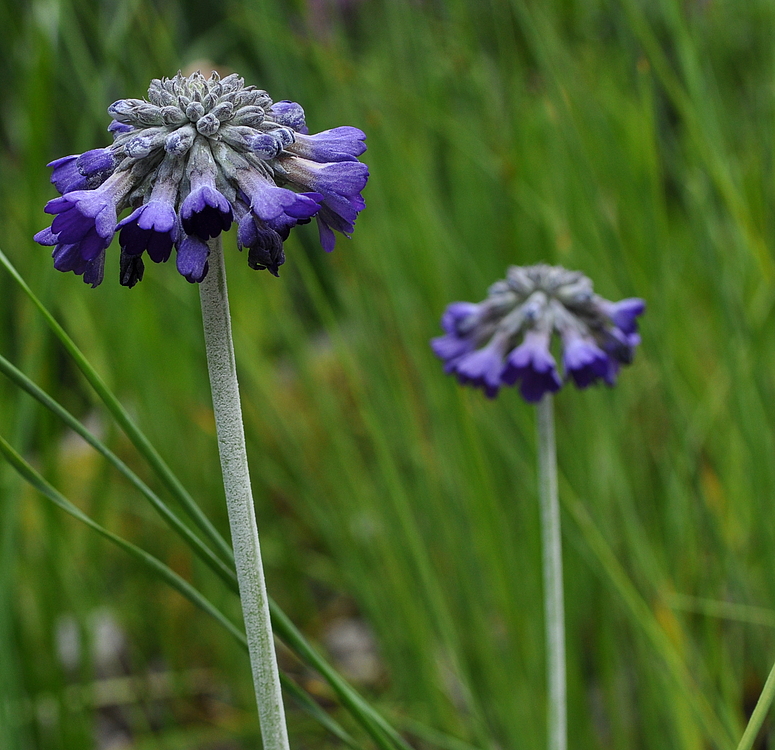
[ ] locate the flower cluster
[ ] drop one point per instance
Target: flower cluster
(198, 155)
(506, 339)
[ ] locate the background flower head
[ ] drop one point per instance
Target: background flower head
(506, 339)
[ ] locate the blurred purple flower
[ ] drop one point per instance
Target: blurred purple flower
(532, 364)
(506, 339)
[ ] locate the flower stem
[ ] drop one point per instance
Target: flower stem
(239, 500)
(554, 613)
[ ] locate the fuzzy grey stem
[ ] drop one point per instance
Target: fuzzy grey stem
(554, 612)
(239, 500)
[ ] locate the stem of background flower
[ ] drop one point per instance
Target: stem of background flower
(554, 611)
(239, 500)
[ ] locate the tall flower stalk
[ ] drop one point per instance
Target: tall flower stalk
(506, 340)
(554, 608)
(198, 155)
(222, 369)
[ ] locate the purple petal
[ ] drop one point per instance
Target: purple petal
(482, 368)
(152, 227)
(339, 144)
(68, 258)
(65, 176)
(191, 259)
(205, 213)
(327, 237)
(98, 160)
(57, 205)
(159, 217)
(533, 365)
(71, 225)
(623, 314)
(267, 201)
(160, 246)
(132, 239)
(456, 313)
(585, 361)
(91, 245)
(451, 347)
(346, 178)
(46, 237)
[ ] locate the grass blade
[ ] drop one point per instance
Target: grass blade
(120, 414)
(203, 552)
(385, 736)
(759, 713)
(644, 617)
(172, 579)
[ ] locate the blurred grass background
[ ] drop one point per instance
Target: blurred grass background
(631, 140)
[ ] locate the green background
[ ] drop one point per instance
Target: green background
(631, 140)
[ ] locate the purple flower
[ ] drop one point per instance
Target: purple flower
(450, 348)
(623, 314)
(533, 365)
(192, 258)
(152, 227)
(456, 343)
(84, 225)
(507, 338)
(269, 202)
(184, 160)
(482, 368)
(205, 212)
(87, 171)
(340, 184)
(339, 144)
(69, 258)
(65, 176)
(458, 314)
(265, 245)
(585, 362)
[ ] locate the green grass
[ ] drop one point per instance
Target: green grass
(630, 140)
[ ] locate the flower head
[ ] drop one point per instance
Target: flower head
(506, 339)
(196, 156)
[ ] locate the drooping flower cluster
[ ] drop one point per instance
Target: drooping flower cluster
(198, 155)
(506, 339)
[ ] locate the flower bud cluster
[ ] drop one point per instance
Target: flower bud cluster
(506, 339)
(196, 156)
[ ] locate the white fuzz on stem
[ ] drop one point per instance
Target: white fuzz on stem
(239, 500)
(554, 611)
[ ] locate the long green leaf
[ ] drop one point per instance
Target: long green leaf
(205, 553)
(759, 713)
(385, 736)
(120, 414)
(172, 579)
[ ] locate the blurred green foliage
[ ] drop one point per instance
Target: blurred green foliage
(630, 140)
